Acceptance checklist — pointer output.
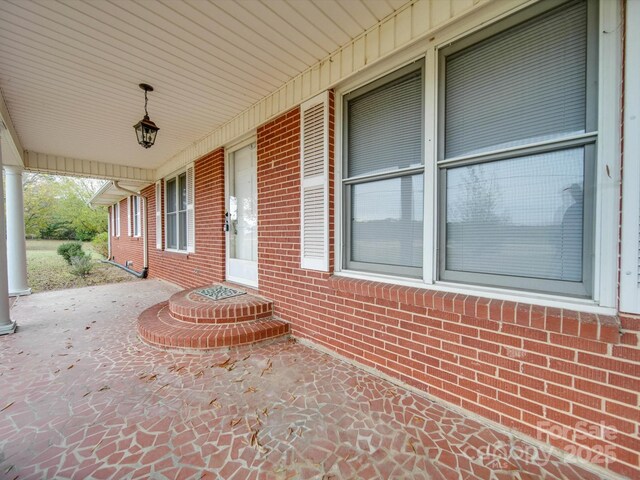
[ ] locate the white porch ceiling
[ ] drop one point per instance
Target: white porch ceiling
(70, 69)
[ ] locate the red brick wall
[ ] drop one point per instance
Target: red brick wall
(556, 375)
(207, 264)
(126, 248)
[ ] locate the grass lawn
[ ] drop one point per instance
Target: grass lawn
(46, 270)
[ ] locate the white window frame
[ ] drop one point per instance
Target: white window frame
(116, 220)
(607, 179)
(175, 176)
(137, 215)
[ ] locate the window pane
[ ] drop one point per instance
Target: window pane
(386, 224)
(385, 127)
(171, 195)
(524, 85)
(182, 231)
(521, 217)
(171, 231)
(182, 185)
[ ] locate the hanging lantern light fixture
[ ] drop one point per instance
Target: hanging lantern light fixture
(145, 129)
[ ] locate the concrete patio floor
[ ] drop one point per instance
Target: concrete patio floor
(82, 397)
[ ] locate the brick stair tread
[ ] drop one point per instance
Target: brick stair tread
(189, 306)
(157, 327)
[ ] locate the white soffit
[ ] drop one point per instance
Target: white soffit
(69, 69)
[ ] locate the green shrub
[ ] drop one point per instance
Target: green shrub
(81, 266)
(69, 250)
(101, 244)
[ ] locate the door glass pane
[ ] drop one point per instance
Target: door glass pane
(523, 85)
(171, 195)
(387, 221)
(385, 127)
(171, 231)
(521, 217)
(243, 207)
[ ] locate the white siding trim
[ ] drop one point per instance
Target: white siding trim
(47, 163)
(630, 251)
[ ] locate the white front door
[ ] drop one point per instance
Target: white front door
(242, 216)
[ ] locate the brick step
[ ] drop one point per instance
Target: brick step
(190, 306)
(157, 327)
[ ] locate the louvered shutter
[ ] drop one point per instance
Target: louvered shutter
(191, 217)
(117, 218)
(158, 216)
(129, 216)
(314, 234)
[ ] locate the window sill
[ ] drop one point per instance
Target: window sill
(176, 253)
(568, 316)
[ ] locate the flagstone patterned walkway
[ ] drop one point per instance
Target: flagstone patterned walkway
(82, 397)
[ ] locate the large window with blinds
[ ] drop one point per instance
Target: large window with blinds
(383, 181)
(516, 129)
(516, 162)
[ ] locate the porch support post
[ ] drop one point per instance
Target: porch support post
(6, 325)
(16, 245)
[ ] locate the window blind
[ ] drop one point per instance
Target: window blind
(523, 85)
(385, 127)
(519, 217)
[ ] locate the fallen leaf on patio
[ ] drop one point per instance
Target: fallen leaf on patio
(251, 390)
(165, 385)
(199, 374)
(7, 406)
(8, 469)
(87, 327)
(86, 394)
(143, 376)
(291, 430)
(246, 358)
(57, 371)
(63, 354)
(235, 422)
(418, 420)
(70, 367)
(410, 443)
(106, 387)
(265, 412)
(215, 404)
(224, 364)
(68, 347)
(152, 377)
(21, 351)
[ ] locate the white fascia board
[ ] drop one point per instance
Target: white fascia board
(77, 167)
(10, 137)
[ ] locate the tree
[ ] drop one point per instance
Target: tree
(58, 208)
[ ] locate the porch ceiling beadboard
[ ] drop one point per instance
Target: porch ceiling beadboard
(69, 69)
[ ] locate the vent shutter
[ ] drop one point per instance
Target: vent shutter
(314, 150)
(158, 216)
(191, 217)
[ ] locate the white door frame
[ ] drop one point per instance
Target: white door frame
(229, 151)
